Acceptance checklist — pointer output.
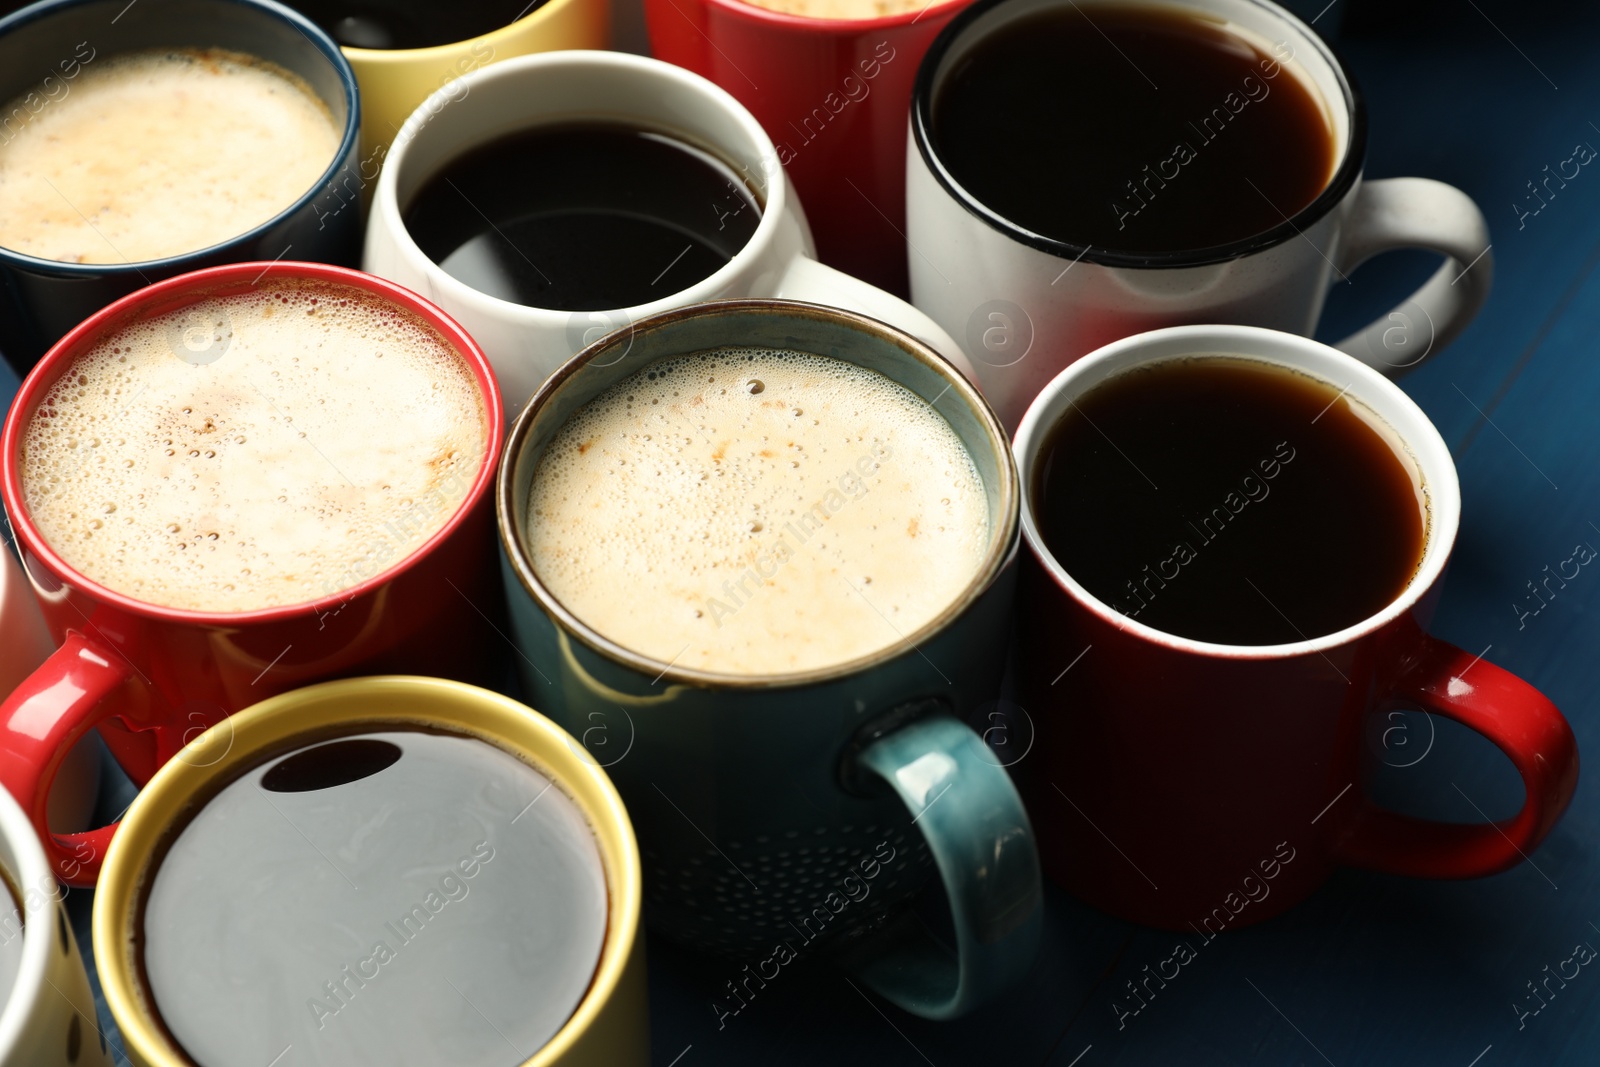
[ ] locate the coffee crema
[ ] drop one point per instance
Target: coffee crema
(262, 449)
(159, 153)
(844, 9)
(395, 897)
(754, 511)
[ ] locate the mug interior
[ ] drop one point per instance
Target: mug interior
(33, 884)
(571, 86)
(1261, 22)
(183, 291)
(1413, 439)
(323, 712)
(35, 39)
(775, 324)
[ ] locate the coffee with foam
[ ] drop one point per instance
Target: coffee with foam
(753, 511)
(158, 153)
(254, 450)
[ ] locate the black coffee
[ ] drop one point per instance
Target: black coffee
(583, 217)
(1132, 129)
(1226, 500)
(410, 23)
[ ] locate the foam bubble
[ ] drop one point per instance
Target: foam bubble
(157, 153)
(332, 436)
(754, 511)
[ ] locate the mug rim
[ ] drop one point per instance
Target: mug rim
(341, 156)
(1334, 190)
(181, 291)
(386, 211)
(258, 733)
(842, 27)
(21, 1005)
(1003, 541)
(389, 56)
(1421, 438)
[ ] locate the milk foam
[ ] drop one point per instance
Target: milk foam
(449, 909)
(154, 154)
(750, 511)
(331, 437)
(843, 9)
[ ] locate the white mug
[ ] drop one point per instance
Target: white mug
(1025, 305)
(526, 344)
(47, 1018)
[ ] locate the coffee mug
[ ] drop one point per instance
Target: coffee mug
(404, 50)
(48, 1015)
(1187, 784)
(609, 1024)
(150, 677)
(1025, 305)
(527, 344)
(59, 39)
(833, 94)
(759, 798)
(27, 644)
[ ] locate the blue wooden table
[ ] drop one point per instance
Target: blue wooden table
(1372, 969)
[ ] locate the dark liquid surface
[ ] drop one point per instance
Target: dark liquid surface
(414, 24)
(1131, 130)
(583, 217)
(1223, 500)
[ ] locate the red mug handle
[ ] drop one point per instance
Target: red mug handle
(39, 723)
(1522, 722)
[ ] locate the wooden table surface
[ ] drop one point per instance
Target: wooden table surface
(1372, 969)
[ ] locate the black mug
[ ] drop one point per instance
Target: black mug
(45, 46)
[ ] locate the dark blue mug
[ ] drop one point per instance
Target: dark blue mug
(50, 42)
(782, 815)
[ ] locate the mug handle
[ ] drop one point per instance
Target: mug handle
(40, 722)
(1418, 213)
(973, 821)
(817, 283)
(1522, 722)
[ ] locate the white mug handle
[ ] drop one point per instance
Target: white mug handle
(817, 283)
(1418, 213)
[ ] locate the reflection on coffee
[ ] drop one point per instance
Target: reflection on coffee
(1230, 500)
(844, 9)
(751, 511)
(1133, 129)
(254, 450)
(583, 217)
(411, 23)
(394, 897)
(159, 153)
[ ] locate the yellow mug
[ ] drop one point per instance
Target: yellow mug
(609, 1026)
(394, 81)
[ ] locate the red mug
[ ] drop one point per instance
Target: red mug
(1196, 786)
(835, 97)
(153, 678)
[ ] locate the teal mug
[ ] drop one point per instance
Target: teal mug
(799, 813)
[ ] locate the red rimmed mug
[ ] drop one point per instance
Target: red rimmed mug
(1191, 785)
(834, 95)
(153, 678)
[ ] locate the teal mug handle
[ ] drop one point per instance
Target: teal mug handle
(975, 826)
